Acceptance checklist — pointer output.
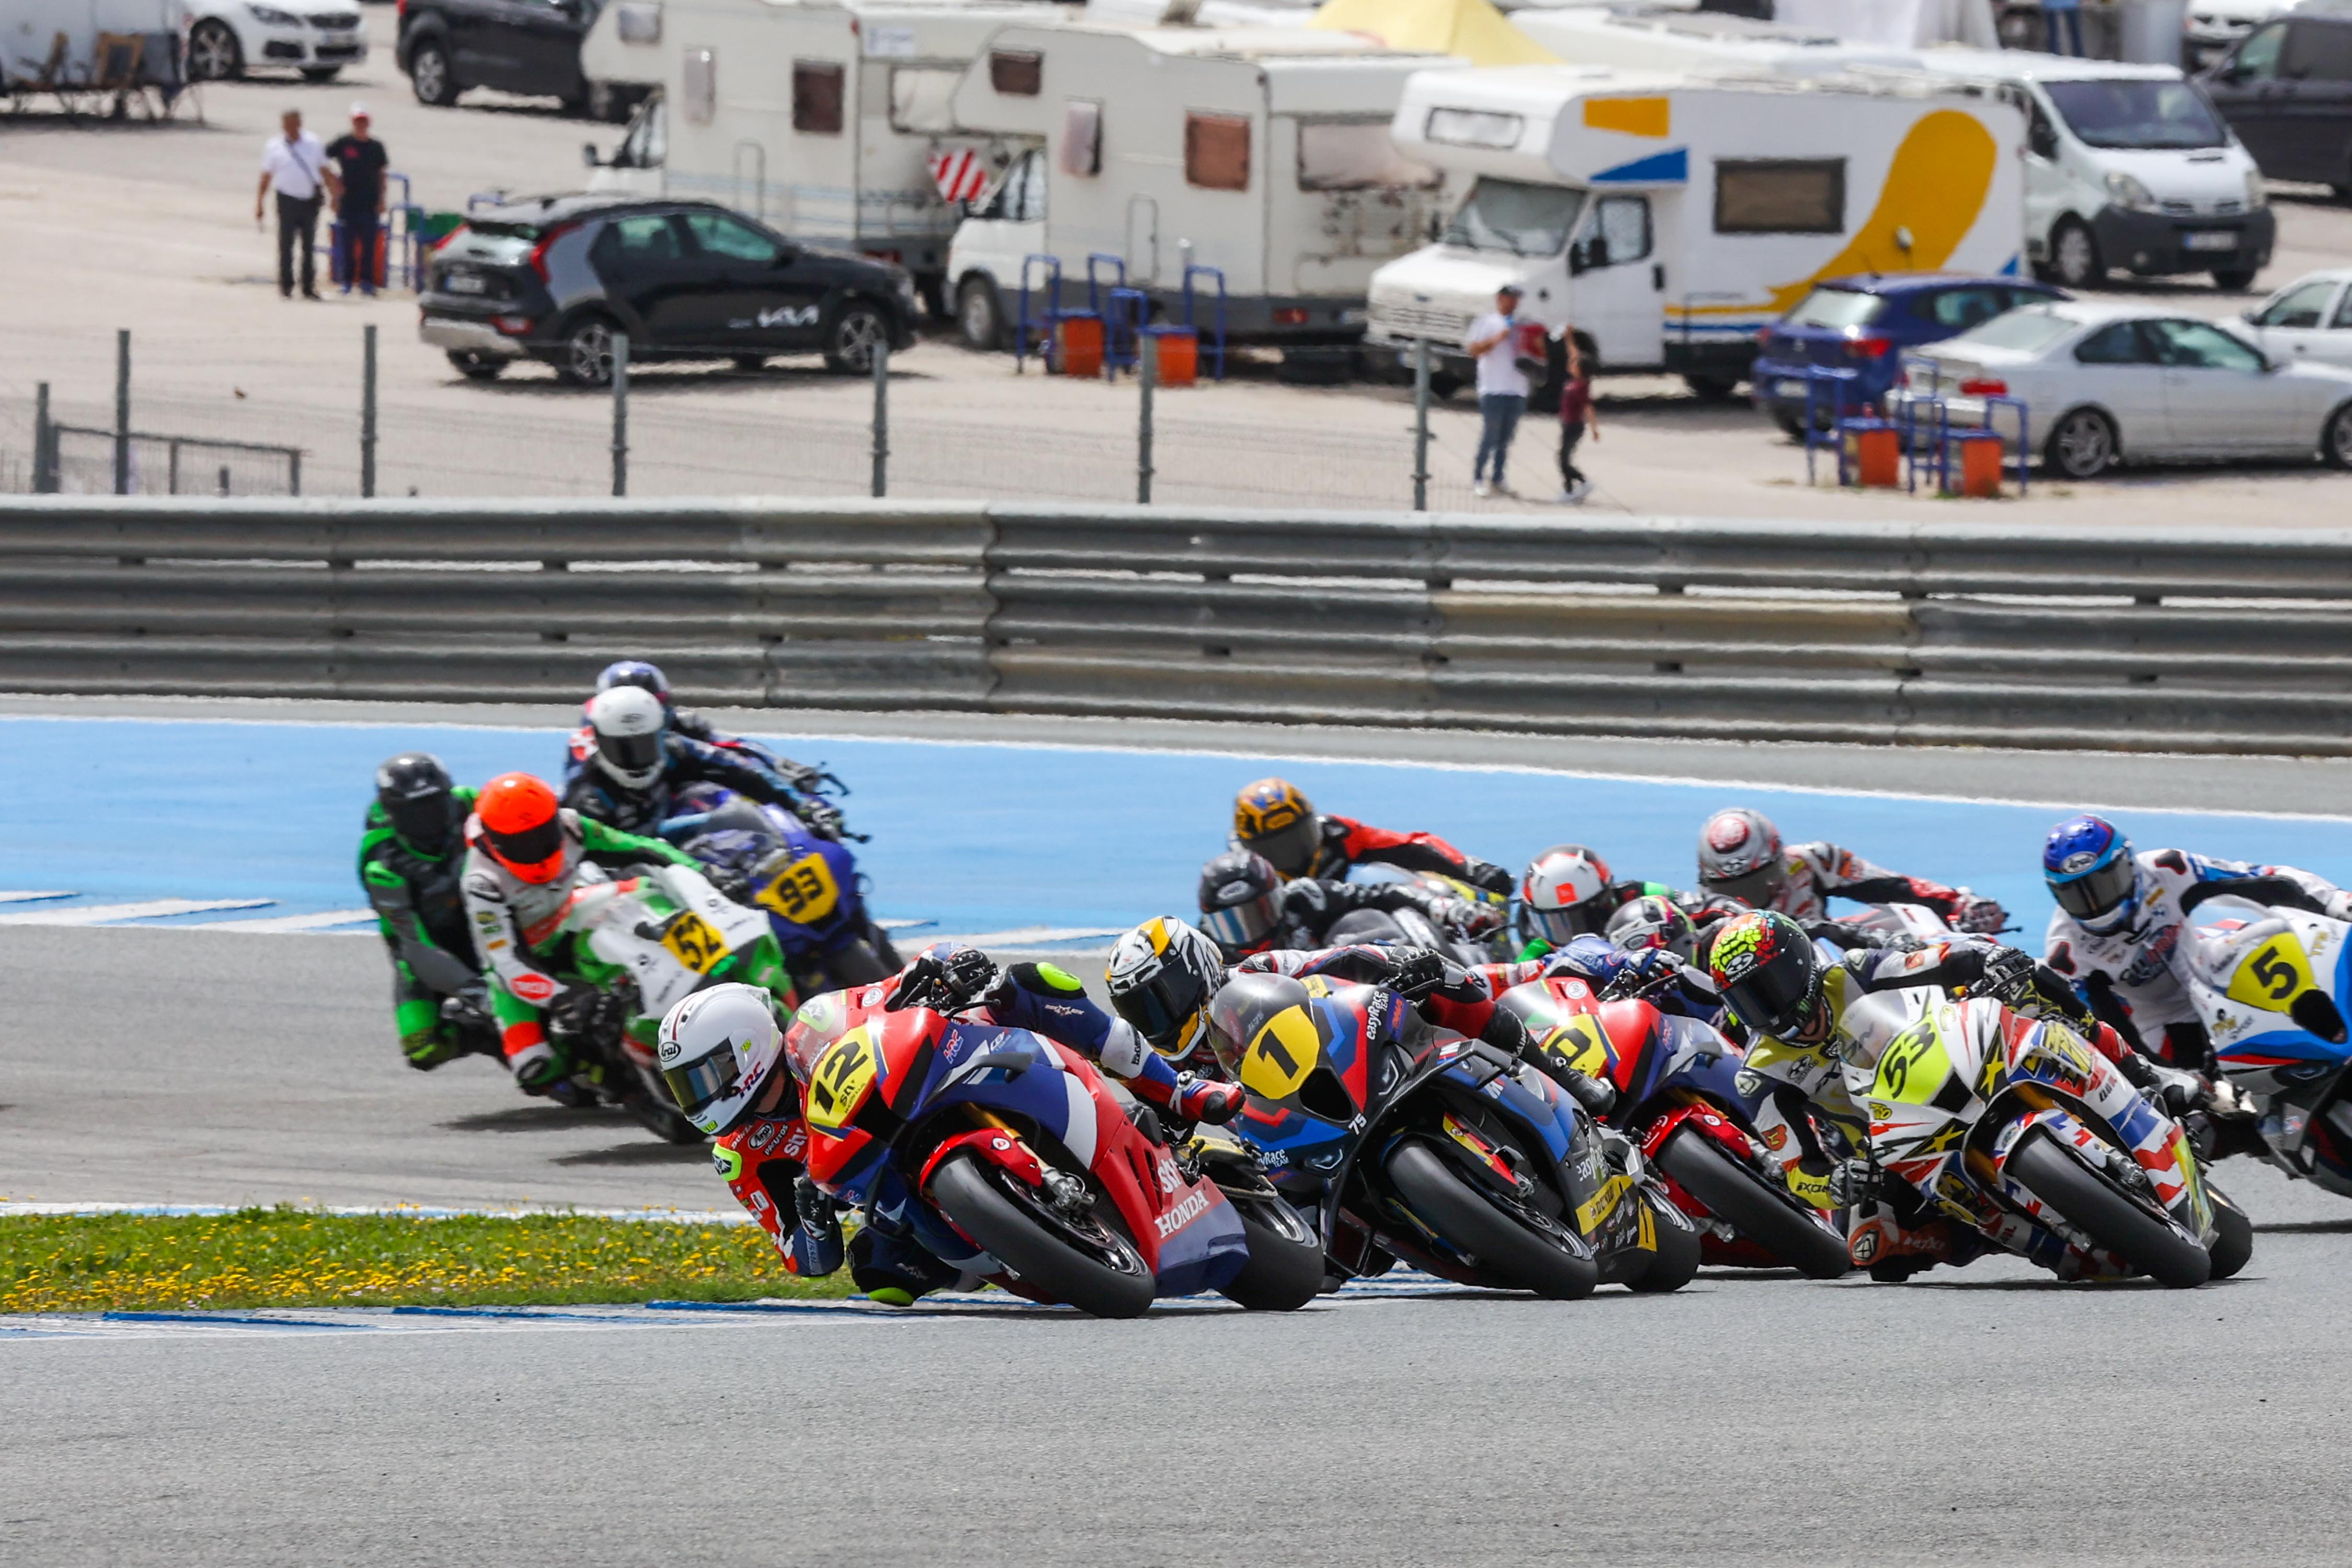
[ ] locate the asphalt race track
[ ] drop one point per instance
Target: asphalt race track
(1990, 1415)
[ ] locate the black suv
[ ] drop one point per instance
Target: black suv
(529, 47)
(2286, 90)
(555, 278)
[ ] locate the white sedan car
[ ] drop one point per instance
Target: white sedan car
(2310, 319)
(2107, 383)
(229, 38)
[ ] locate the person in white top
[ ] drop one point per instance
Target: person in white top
(296, 164)
(1493, 342)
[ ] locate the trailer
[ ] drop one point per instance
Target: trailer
(1248, 170)
(1666, 219)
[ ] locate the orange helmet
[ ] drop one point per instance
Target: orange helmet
(1272, 818)
(523, 826)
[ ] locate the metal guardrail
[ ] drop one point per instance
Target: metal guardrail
(1976, 632)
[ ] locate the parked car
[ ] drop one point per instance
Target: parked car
(1865, 325)
(2214, 25)
(229, 38)
(2310, 317)
(529, 47)
(2286, 90)
(555, 278)
(2107, 383)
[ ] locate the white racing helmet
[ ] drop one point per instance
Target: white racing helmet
(1558, 890)
(716, 1049)
(629, 726)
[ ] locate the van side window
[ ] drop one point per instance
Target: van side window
(1081, 137)
(1016, 73)
(2119, 343)
(1617, 232)
(1780, 195)
(816, 97)
(700, 86)
(2317, 51)
(1022, 197)
(2257, 59)
(1217, 151)
(2041, 136)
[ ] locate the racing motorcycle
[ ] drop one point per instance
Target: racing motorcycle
(2271, 987)
(640, 945)
(1483, 941)
(1678, 1098)
(1417, 1142)
(2015, 1128)
(807, 883)
(1070, 1188)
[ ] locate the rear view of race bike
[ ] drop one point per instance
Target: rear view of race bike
(1678, 1099)
(2016, 1129)
(1449, 1152)
(807, 883)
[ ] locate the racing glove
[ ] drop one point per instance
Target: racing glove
(1471, 919)
(730, 881)
(1853, 1184)
(821, 818)
(1485, 874)
(2007, 977)
(813, 1205)
(1415, 972)
(1206, 1100)
(1982, 916)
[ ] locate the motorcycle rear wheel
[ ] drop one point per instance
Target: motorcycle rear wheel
(1285, 1270)
(1675, 1262)
(2092, 1206)
(1739, 1199)
(1117, 1285)
(1468, 1220)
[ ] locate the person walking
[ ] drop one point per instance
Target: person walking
(361, 160)
(295, 162)
(1577, 416)
(1494, 344)
(2068, 13)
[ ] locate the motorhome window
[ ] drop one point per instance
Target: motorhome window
(1780, 195)
(1512, 215)
(1355, 155)
(818, 97)
(2136, 112)
(1217, 151)
(1081, 137)
(1621, 225)
(1016, 73)
(700, 86)
(637, 23)
(2319, 51)
(921, 99)
(2258, 57)
(2028, 332)
(716, 235)
(1837, 309)
(1473, 128)
(2302, 306)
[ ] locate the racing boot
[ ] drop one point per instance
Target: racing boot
(1892, 1252)
(893, 1269)
(426, 1049)
(537, 1067)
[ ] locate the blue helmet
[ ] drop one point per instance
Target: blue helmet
(2088, 864)
(638, 673)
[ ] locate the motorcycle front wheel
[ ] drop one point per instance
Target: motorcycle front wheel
(2092, 1206)
(1285, 1270)
(1086, 1264)
(1738, 1197)
(1675, 1261)
(1479, 1227)
(2234, 1234)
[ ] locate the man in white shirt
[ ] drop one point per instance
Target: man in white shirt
(1493, 342)
(296, 164)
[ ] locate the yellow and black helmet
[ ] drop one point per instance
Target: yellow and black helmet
(1276, 820)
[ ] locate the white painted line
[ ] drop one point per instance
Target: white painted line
(8, 898)
(276, 923)
(1020, 935)
(98, 914)
(904, 925)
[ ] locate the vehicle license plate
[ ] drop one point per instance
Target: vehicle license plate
(465, 283)
(2210, 239)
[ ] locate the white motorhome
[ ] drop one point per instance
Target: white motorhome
(817, 116)
(621, 56)
(1255, 159)
(1666, 219)
(2126, 166)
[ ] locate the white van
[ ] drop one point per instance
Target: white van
(1255, 161)
(1666, 219)
(817, 116)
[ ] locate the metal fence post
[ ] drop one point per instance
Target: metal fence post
(882, 417)
(620, 413)
(122, 412)
(1146, 357)
(367, 414)
(44, 440)
(1421, 424)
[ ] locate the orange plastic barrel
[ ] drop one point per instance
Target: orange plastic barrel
(1080, 346)
(1180, 357)
(1877, 458)
(1981, 463)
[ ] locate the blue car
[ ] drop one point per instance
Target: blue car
(1866, 324)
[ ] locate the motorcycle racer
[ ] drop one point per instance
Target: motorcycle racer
(1740, 855)
(1273, 818)
(1247, 907)
(638, 764)
(2119, 921)
(408, 862)
(1567, 892)
(683, 721)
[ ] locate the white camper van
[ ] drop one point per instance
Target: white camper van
(1255, 160)
(815, 115)
(621, 56)
(1668, 219)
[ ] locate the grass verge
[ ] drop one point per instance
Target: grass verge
(300, 1258)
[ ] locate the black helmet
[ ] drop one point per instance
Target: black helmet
(414, 791)
(1652, 921)
(1241, 894)
(1769, 972)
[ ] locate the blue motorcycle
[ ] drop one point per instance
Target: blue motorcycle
(807, 883)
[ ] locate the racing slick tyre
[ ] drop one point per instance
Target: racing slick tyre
(2092, 1206)
(1285, 1270)
(1091, 1264)
(1740, 1199)
(429, 77)
(852, 337)
(2081, 445)
(2234, 1234)
(2336, 438)
(1675, 1262)
(1500, 1242)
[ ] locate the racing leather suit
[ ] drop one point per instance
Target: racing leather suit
(582, 745)
(1307, 908)
(2126, 974)
(422, 914)
(517, 925)
(1594, 961)
(597, 795)
(1464, 1003)
(1345, 843)
(1821, 870)
(1704, 908)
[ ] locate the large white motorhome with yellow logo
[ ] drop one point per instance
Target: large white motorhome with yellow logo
(1667, 218)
